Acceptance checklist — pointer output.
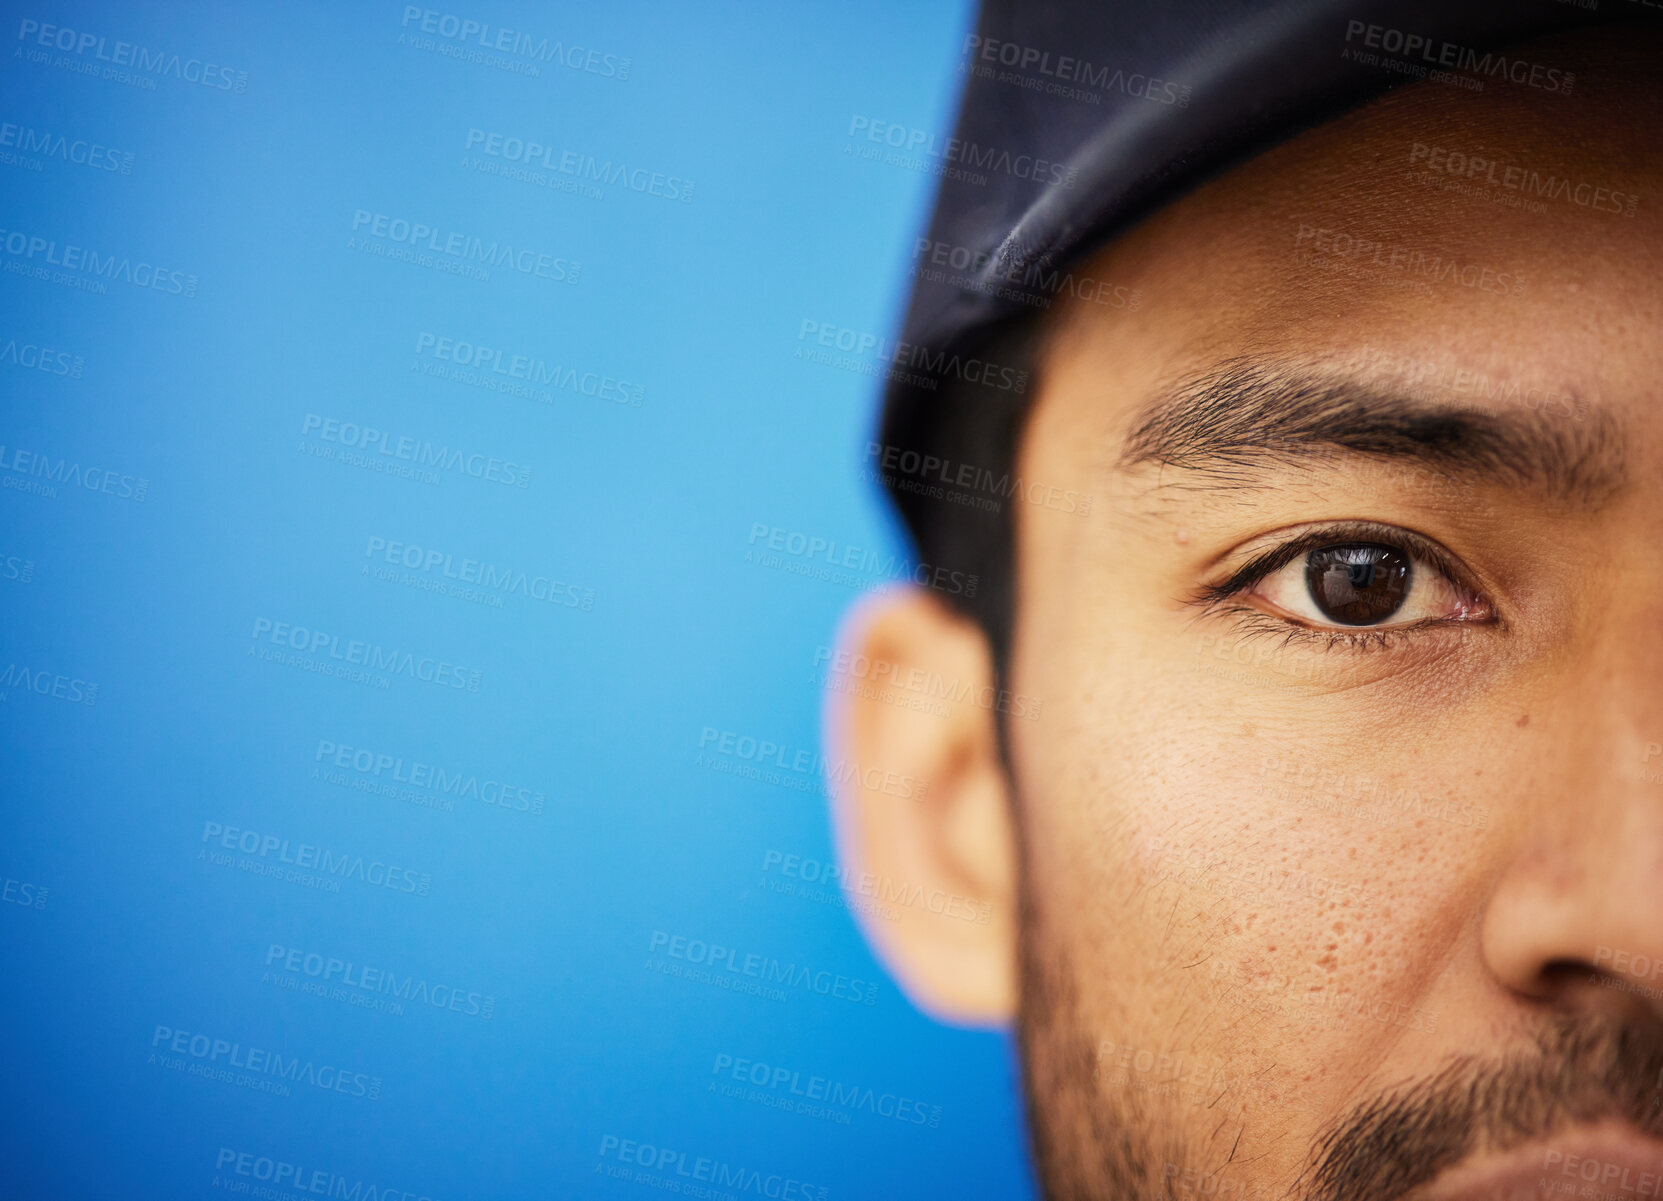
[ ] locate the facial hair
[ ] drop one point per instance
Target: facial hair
(1093, 1142)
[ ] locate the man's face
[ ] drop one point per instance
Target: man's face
(1338, 845)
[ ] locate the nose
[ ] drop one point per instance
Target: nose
(1575, 920)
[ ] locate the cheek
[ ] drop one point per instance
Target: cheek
(1220, 893)
(1205, 840)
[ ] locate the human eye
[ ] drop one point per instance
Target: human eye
(1355, 584)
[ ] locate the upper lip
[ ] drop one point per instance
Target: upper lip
(1617, 1161)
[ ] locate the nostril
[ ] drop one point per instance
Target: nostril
(1561, 979)
(1570, 974)
(1579, 984)
(1563, 969)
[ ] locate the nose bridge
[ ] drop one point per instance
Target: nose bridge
(1608, 738)
(1615, 717)
(1585, 887)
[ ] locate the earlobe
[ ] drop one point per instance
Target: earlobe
(924, 824)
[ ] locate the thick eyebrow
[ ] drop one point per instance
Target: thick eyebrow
(1242, 418)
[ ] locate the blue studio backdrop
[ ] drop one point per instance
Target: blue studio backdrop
(414, 425)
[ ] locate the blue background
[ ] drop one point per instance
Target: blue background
(649, 508)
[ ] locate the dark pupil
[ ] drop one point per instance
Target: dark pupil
(1359, 583)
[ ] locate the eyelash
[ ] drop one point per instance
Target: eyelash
(1222, 597)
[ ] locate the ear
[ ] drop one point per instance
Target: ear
(924, 817)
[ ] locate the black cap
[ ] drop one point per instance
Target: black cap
(1078, 118)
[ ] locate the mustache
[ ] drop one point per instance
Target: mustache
(1581, 1070)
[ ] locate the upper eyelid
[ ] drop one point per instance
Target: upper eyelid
(1276, 557)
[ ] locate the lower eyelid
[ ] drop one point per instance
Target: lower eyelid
(1257, 623)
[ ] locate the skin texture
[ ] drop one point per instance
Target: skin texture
(1245, 882)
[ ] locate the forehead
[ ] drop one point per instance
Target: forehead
(1509, 230)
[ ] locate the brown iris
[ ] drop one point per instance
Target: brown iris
(1358, 583)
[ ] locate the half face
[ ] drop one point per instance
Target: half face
(1331, 858)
